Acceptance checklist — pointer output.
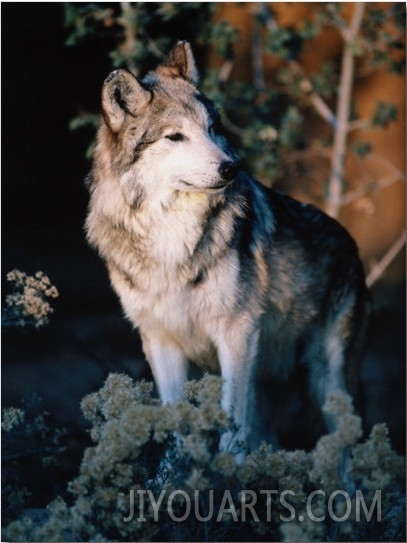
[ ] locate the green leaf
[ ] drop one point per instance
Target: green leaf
(361, 148)
(325, 82)
(279, 40)
(291, 125)
(222, 35)
(310, 30)
(84, 120)
(385, 113)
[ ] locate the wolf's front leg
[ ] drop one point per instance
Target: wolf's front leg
(169, 367)
(237, 358)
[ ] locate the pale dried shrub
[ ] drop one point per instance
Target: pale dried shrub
(140, 444)
(27, 304)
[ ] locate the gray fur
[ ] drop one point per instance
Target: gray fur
(220, 272)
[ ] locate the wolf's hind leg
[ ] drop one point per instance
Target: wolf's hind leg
(334, 355)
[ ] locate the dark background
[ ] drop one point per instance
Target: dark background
(44, 203)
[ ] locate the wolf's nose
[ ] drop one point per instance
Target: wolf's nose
(228, 170)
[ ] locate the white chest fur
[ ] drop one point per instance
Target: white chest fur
(166, 285)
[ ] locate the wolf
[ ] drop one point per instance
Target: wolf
(212, 267)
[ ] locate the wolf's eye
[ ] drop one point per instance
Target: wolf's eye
(176, 137)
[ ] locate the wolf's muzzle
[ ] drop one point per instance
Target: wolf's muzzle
(228, 170)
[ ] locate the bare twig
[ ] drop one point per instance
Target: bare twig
(257, 58)
(342, 115)
(316, 100)
(387, 180)
(152, 47)
(321, 107)
(303, 155)
(225, 71)
(351, 32)
(264, 10)
(385, 162)
(129, 42)
(379, 268)
(231, 126)
(223, 75)
(364, 189)
(359, 124)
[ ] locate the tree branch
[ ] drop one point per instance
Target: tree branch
(259, 81)
(305, 84)
(389, 179)
(362, 190)
(232, 127)
(342, 115)
(129, 42)
(359, 124)
(379, 268)
(225, 71)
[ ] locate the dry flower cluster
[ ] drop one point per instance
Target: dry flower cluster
(27, 304)
(30, 449)
(141, 445)
(11, 417)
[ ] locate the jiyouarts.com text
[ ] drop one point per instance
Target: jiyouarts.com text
(250, 505)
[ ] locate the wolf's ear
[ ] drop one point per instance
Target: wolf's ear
(182, 59)
(122, 95)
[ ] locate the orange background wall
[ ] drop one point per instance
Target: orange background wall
(377, 219)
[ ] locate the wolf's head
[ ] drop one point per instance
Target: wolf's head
(160, 135)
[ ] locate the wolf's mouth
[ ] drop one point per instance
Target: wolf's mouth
(220, 185)
(216, 186)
